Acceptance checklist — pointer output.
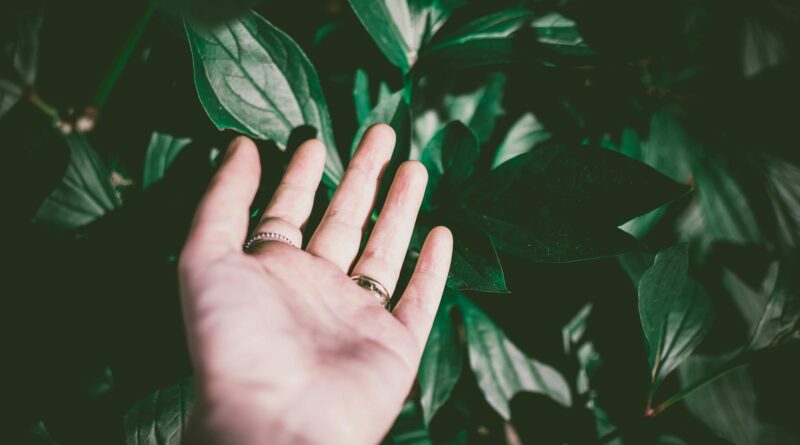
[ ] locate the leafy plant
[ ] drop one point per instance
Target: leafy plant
(592, 162)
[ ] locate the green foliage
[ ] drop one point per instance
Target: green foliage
(253, 78)
(557, 136)
(676, 313)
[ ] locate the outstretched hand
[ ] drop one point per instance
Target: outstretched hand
(286, 347)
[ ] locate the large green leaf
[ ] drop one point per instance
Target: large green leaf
(384, 112)
(253, 78)
(401, 27)
(85, 192)
(523, 135)
(782, 311)
(442, 361)
(501, 368)
(485, 41)
(675, 311)
(564, 203)
(161, 151)
(450, 158)
(160, 418)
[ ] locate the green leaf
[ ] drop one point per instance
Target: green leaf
(408, 428)
(554, 241)
(523, 136)
(501, 368)
(485, 41)
(85, 192)
(782, 312)
(253, 78)
(160, 418)
(442, 361)
(675, 311)
(161, 151)
(560, 35)
(783, 189)
(400, 27)
(475, 265)
(450, 158)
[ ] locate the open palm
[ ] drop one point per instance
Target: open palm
(286, 347)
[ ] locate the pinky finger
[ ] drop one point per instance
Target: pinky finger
(418, 305)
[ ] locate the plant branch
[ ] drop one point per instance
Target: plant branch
(44, 107)
(121, 59)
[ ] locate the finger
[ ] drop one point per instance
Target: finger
(291, 204)
(386, 249)
(220, 224)
(418, 305)
(339, 233)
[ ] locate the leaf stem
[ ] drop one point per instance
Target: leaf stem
(44, 107)
(121, 59)
(739, 360)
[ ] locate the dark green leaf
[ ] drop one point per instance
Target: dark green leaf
(782, 312)
(553, 241)
(383, 112)
(442, 361)
(475, 265)
(85, 192)
(23, 54)
(728, 405)
(485, 41)
(525, 134)
(161, 151)
(253, 78)
(488, 108)
(501, 368)
(160, 418)
(408, 428)
(450, 158)
(783, 188)
(675, 311)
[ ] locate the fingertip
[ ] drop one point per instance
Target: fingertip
(443, 237)
(314, 150)
(383, 132)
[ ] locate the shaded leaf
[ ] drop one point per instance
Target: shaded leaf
(85, 192)
(479, 108)
(485, 41)
(523, 135)
(501, 368)
(361, 96)
(161, 151)
(675, 311)
(475, 265)
(10, 93)
(450, 158)
(160, 418)
(442, 361)
(408, 428)
(782, 312)
(383, 112)
(253, 78)
(728, 405)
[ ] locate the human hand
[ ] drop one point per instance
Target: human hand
(286, 347)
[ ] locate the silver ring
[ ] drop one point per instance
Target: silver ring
(262, 237)
(376, 288)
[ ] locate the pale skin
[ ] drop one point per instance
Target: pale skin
(287, 349)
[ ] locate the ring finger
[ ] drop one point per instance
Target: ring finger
(290, 206)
